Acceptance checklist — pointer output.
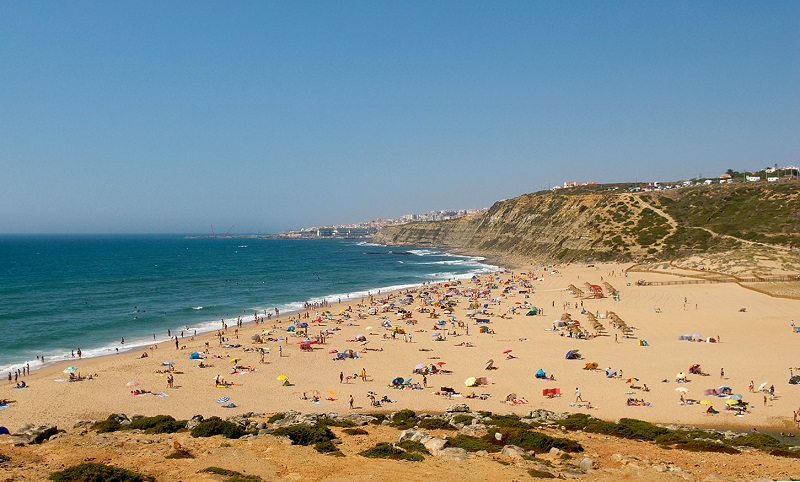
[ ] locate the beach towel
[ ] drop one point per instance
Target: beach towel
(161, 394)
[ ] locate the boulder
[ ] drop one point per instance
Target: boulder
(586, 464)
(193, 422)
(434, 445)
(35, 434)
(555, 452)
(457, 408)
(513, 452)
(453, 453)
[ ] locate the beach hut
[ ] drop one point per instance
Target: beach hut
(540, 374)
(573, 355)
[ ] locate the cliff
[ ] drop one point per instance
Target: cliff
(599, 224)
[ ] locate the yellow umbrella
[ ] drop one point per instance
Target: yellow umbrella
(732, 402)
(235, 360)
(470, 382)
(332, 392)
(705, 402)
(282, 378)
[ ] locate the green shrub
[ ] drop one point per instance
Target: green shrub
(157, 424)
(305, 435)
(111, 424)
(379, 418)
(434, 423)
(216, 426)
(785, 453)
(465, 419)
(756, 440)
(233, 476)
(4, 458)
(472, 444)
(637, 429)
(404, 419)
(278, 416)
(536, 441)
(389, 451)
(90, 472)
(325, 447)
(355, 431)
(413, 446)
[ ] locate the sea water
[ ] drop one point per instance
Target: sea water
(61, 293)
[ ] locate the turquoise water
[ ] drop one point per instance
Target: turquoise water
(61, 293)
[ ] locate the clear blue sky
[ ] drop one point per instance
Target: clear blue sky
(159, 116)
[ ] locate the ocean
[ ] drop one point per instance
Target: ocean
(61, 293)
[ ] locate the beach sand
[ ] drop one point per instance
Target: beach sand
(755, 345)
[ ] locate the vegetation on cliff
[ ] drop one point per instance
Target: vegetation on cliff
(609, 223)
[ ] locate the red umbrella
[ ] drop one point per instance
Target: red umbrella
(505, 352)
(441, 363)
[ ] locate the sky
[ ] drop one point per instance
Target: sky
(170, 117)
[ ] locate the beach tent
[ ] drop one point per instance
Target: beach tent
(541, 374)
(3, 430)
(643, 343)
(489, 365)
(398, 381)
(591, 366)
(290, 328)
(533, 311)
(795, 380)
(711, 339)
(194, 356)
(573, 355)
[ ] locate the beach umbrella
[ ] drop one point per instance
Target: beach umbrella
(132, 384)
(331, 392)
(420, 366)
(682, 389)
(705, 402)
(731, 402)
(631, 380)
(73, 369)
(735, 396)
(470, 382)
(680, 375)
(255, 337)
(760, 387)
(235, 360)
(441, 363)
(282, 378)
(506, 352)
(168, 363)
(368, 328)
(223, 400)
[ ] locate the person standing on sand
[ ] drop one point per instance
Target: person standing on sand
(341, 377)
(351, 402)
(578, 397)
(722, 373)
(364, 374)
(176, 342)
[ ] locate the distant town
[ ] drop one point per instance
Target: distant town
(369, 228)
(768, 174)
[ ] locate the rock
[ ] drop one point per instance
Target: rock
(572, 472)
(35, 434)
(586, 464)
(360, 418)
(265, 431)
(477, 430)
(453, 453)
(83, 423)
(514, 452)
(434, 445)
(261, 426)
(482, 453)
(194, 421)
(457, 408)
(556, 452)
(660, 468)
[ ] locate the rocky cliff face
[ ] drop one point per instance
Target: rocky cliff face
(586, 225)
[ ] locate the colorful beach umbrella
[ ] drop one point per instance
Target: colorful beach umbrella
(223, 400)
(705, 402)
(470, 382)
(71, 369)
(282, 378)
(506, 352)
(732, 402)
(235, 360)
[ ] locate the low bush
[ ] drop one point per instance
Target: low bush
(785, 453)
(305, 435)
(278, 416)
(90, 472)
(540, 474)
(465, 419)
(216, 426)
(757, 441)
(509, 421)
(413, 446)
(111, 424)
(434, 423)
(157, 424)
(330, 422)
(379, 418)
(355, 431)
(389, 451)
(325, 447)
(404, 419)
(233, 476)
(535, 441)
(472, 444)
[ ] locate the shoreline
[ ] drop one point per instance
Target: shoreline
(206, 327)
(315, 368)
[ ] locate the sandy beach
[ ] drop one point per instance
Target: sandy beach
(755, 345)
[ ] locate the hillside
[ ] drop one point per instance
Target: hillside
(597, 224)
